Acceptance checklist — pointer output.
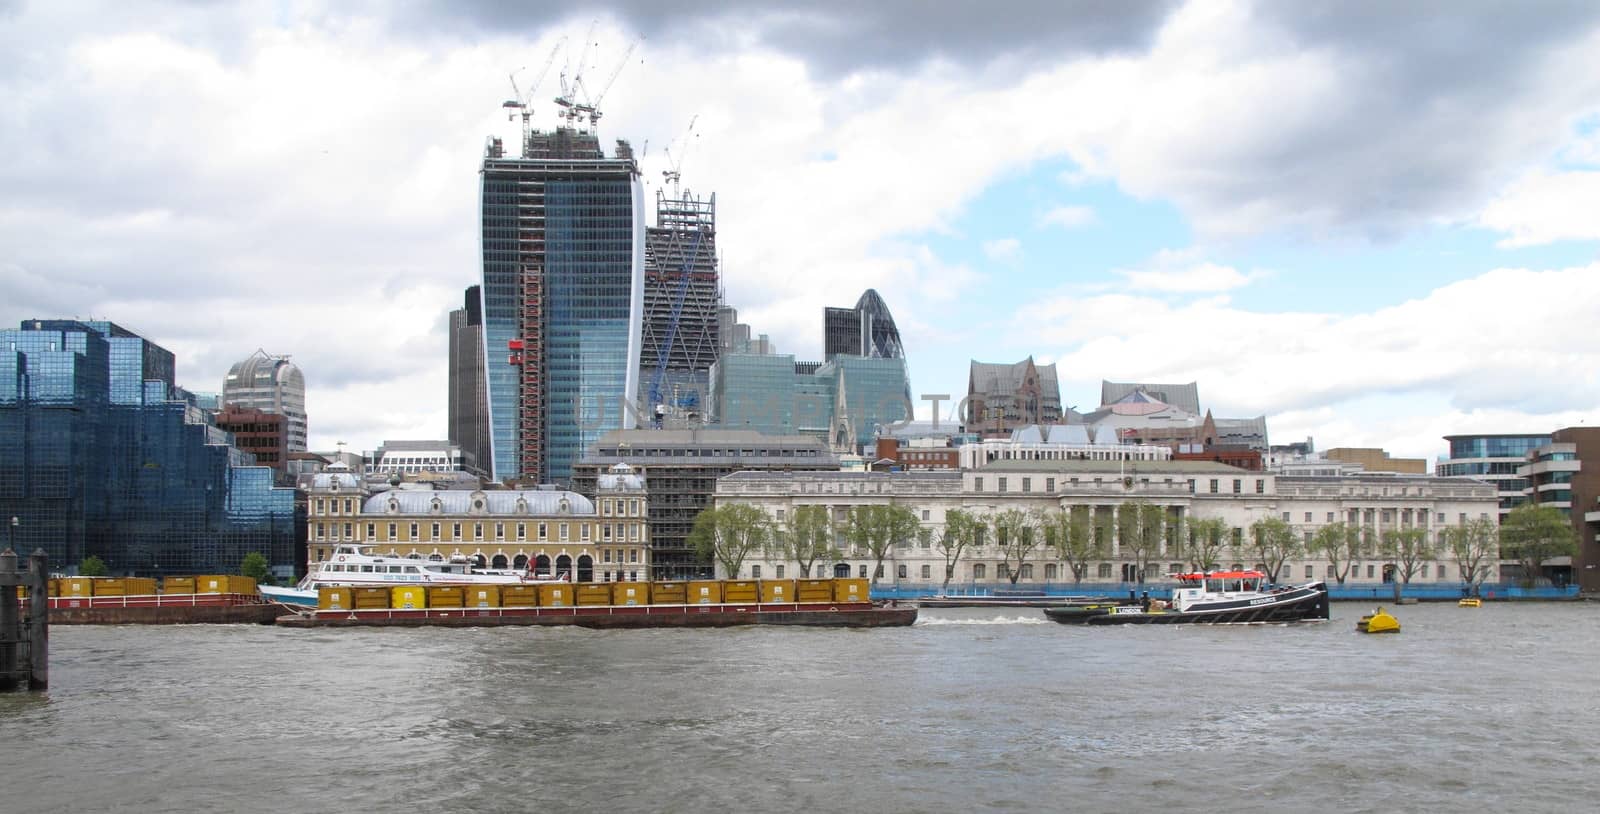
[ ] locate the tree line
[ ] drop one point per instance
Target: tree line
(730, 534)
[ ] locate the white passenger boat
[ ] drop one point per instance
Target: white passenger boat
(357, 564)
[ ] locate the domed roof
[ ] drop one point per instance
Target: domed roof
(470, 501)
(620, 477)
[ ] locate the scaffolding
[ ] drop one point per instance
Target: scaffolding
(681, 333)
(528, 352)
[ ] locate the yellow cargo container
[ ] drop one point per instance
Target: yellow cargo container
(230, 584)
(177, 585)
(669, 593)
(483, 596)
(372, 597)
(446, 596)
(336, 597)
(777, 590)
(704, 592)
(77, 587)
(850, 590)
(592, 593)
(741, 590)
(52, 587)
(555, 595)
(813, 590)
(124, 586)
(519, 596)
(408, 597)
(630, 593)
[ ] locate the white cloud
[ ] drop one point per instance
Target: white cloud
(1002, 250)
(1359, 377)
(1544, 207)
(1195, 279)
(1068, 217)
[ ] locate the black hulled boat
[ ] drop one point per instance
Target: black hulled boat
(1209, 598)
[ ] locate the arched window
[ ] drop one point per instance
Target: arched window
(585, 568)
(499, 561)
(541, 565)
(1049, 571)
(980, 571)
(1104, 571)
(563, 566)
(479, 561)
(520, 562)
(1027, 571)
(435, 558)
(841, 570)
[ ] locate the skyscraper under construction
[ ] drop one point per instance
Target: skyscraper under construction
(681, 297)
(563, 272)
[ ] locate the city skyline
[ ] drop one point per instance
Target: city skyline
(1374, 242)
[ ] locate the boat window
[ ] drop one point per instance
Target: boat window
(366, 569)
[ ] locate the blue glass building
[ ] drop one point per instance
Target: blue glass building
(563, 275)
(101, 454)
(844, 400)
(1494, 458)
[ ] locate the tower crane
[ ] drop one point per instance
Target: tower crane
(524, 101)
(593, 108)
(568, 100)
(674, 173)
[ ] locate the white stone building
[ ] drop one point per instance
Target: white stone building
(1185, 489)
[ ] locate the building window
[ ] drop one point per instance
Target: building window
(436, 531)
(320, 508)
(1261, 487)
(863, 573)
(1050, 485)
(392, 533)
(1236, 485)
(349, 506)
(1001, 486)
(1285, 517)
(780, 514)
(1213, 486)
(477, 531)
(927, 571)
(900, 571)
(925, 515)
(1308, 517)
(980, 571)
(1310, 571)
(455, 531)
(977, 484)
(413, 529)
(522, 531)
(541, 531)
(561, 530)
(1330, 517)
(606, 554)
(1027, 485)
(583, 530)
(778, 571)
(605, 506)
(1104, 570)
(372, 531)
(633, 508)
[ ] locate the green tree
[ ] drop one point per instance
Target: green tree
(1532, 533)
(255, 567)
(1017, 534)
(1071, 534)
(960, 533)
(1272, 543)
(1340, 544)
(1207, 540)
(878, 528)
(1408, 549)
(93, 566)
(729, 533)
(1473, 544)
(1152, 526)
(807, 539)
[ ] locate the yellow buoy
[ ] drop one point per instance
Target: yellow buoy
(1380, 621)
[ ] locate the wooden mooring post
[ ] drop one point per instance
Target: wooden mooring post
(24, 631)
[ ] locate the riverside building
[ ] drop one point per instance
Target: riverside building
(551, 531)
(1183, 490)
(1493, 459)
(102, 454)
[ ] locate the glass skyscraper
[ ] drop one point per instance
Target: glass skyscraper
(100, 454)
(563, 274)
(844, 400)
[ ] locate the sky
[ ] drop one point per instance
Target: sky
(1376, 224)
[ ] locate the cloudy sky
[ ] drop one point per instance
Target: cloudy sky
(1375, 225)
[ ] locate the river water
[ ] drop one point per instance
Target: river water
(1466, 710)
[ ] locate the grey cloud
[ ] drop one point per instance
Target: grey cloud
(837, 38)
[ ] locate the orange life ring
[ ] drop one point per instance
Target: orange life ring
(341, 558)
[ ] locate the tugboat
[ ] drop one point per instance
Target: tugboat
(1209, 597)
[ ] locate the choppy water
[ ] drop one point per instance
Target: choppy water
(1486, 710)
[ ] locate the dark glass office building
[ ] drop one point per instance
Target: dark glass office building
(101, 454)
(563, 275)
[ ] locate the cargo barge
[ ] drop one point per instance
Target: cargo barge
(609, 605)
(213, 600)
(612, 617)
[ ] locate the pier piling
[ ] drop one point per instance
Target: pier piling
(24, 632)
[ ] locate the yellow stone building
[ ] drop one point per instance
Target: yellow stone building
(548, 530)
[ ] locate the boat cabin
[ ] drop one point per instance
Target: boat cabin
(1223, 582)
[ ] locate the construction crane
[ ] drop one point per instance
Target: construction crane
(593, 108)
(672, 327)
(674, 173)
(524, 101)
(568, 100)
